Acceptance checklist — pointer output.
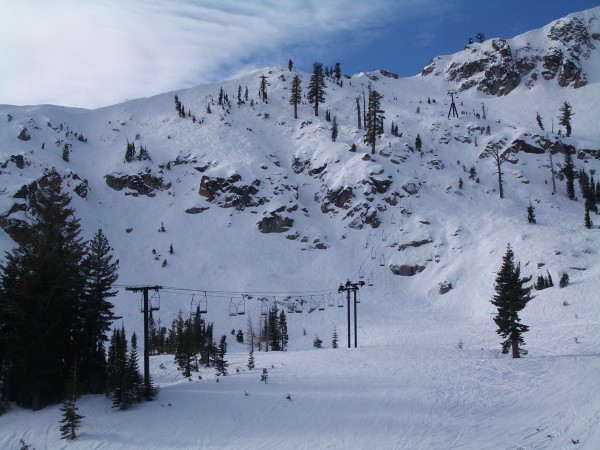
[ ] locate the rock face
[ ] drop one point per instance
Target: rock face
(406, 270)
(497, 66)
(140, 184)
(231, 192)
(275, 224)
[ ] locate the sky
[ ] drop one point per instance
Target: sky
(95, 53)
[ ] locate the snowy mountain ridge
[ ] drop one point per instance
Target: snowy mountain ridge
(259, 205)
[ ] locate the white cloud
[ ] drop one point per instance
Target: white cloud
(90, 54)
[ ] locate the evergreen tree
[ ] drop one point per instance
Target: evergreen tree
(273, 332)
(317, 343)
(538, 119)
(418, 143)
(499, 157)
(130, 152)
(334, 339)
(565, 117)
(296, 94)
(510, 298)
(71, 419)
(40, 289)
(334, 129)
(569, 173)
(251, 361)
(290, 65)
(96, 314)
(530, 214)
(262, 89)
(337, 72)
(316, 87)
(564, 280)
(374, 119)
(239, 337)
(264, 377)
(587, 222)
(220, 362)
(283, 331)
(65, 153)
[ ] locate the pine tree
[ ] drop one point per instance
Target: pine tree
(587, 222)
(334, 340)
(251, 361)
(296, 94)
(273, 332)
(334, 129)
(565, 117)
(569, 173)
(96, 314)
(499, 157)
(418, 143)
(337, 72)
(71, 419)
(41, 286)
(130, 152)
(264, 376)
(538, 119)
(530, 214)
(65, 153)
(290, 65)
(239, 337)
(283, 331)
(510, 298)
(564, 280)
(220, 362)
(317, 343)
(316, 87)
(374, 119)
(262, 89)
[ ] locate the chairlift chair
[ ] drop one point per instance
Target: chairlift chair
(264, 307)
(241, 306)
(373, 254)
(331, 301)
(370, 279)
(313, 304)
(383, 237)
(361, 273)
(340, 301)
(232, 307)
(382, 260)
(299, 303)
(321, 305)
(153, 302)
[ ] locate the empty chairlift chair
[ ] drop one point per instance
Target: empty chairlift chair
(321, 305)
(232, 307)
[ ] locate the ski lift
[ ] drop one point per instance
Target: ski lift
(383, 237)
(264, 307)
(232, 307)
(382, 260)
(321, 305)
(153, 302)
(340, 301)
(331, 301)
(198, 306)
(393, 220)
(241, 306)
(299, 303)
(361, 273)
(370, 279)
(313, 304)
(373, 254)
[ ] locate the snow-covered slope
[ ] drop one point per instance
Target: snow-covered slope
(259, 205)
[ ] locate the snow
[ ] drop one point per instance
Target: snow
(408, 384)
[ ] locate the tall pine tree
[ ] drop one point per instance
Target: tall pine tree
(374, 119)
(296, 94)
(41, 287)
(316, 87)
(511, 297)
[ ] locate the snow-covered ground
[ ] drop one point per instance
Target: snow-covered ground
(408, 385)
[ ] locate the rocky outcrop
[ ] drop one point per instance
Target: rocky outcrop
(406, 270)
(275, 224)
(140, 184)
(231, 192)
(497, 66)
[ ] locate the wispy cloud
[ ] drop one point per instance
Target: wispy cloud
(94, 53)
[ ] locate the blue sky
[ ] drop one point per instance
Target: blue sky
(94, 53)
